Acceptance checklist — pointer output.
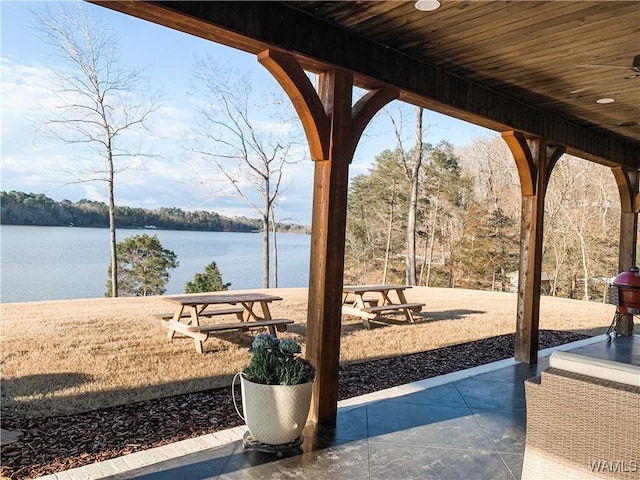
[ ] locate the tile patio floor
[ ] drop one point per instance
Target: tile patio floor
(465, 425)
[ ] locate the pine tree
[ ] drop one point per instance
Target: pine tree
(143, 266)
(209, 281)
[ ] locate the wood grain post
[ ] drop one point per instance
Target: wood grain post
(324, 314)
(535, 161)
(627, 180)
(333, 128)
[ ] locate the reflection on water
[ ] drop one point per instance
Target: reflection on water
(51, 263)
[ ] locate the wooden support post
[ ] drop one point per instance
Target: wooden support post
(628, 188)
(324, 317)
(627, 181)
(535, 161)
(333, 128)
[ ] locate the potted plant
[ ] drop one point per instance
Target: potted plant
(276, 391)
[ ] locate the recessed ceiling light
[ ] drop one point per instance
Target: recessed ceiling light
(605, 100)
(427, 5)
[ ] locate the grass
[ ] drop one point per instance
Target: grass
(64, 357)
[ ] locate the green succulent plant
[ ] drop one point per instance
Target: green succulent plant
(276, 362)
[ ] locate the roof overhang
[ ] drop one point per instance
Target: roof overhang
(317, 36)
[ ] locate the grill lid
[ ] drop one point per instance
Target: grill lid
(627, 285)
(630, 278)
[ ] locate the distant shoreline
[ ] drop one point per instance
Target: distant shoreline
(36, 209)
(152, 229)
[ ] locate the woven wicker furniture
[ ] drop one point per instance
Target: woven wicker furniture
(582, 427)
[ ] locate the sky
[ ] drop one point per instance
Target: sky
(33, 163)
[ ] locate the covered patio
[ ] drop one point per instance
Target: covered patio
(469, 424)
(552, 77)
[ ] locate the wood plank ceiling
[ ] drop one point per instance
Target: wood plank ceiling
(559, 56)
(537, 66)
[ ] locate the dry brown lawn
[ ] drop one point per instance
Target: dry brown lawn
(63, 357)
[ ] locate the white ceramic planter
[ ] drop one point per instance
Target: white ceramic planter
(275, 414)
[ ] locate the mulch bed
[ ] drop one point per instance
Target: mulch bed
(52, 444)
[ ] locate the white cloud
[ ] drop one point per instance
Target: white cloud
(22, 93)
(276, 128)
(175, 177)
(172, 123)
(92, 192)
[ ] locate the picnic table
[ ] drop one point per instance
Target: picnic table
(378, 303)
(193, 308)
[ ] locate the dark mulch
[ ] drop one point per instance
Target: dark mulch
(53, 444)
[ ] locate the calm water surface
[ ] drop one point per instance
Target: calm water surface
(51, 263)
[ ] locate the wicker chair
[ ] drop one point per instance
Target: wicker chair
(582, 427)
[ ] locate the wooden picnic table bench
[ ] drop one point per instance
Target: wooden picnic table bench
(273, 324)
(354, 302)
(207, 313)
(414, 307)
(372, 302)
(193, 307)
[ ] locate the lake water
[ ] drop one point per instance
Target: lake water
(52, 263)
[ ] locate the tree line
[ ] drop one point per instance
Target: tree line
(468, 221)
(19, 208)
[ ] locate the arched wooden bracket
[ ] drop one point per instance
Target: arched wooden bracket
(628, 188)
(553, 154)
(534, 159)
(295, 82)
(521, 152)
(628, 180)
(365, 109)
(315, 118)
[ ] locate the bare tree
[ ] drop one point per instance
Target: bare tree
(413, 201)
(387, 250)
(99, 102)
(490, 163)
(411, 165)
(580, 226)
(245, 139)
(433, 218)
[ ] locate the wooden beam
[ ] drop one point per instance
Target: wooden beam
(298, 87)
(521, 152)
(627, 180)
(333, 129)
(324, 316)
(628, 187)
(365, 109)
(535, 160)
(319, 46)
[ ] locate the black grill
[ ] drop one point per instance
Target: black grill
(613, 295)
